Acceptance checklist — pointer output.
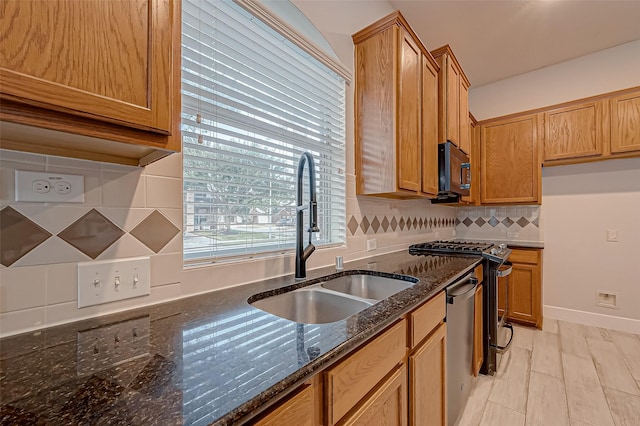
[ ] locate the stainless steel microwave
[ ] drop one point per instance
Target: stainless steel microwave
(454, 170)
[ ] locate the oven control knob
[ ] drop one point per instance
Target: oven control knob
(502, 246)
(494, 251)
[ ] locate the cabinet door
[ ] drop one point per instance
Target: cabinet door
(386, 407)
(575, 131)
(429, 128)
(524, 293)
(298, 410)
(464, 132)
(107, 60)
(409, 84)
(427, 382)
(477, 331)
(510, 166)
(525, 288)
(625, 123)
(452, 91)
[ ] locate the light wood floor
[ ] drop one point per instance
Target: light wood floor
(567, 374)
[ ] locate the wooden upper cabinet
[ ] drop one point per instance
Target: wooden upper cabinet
(575, 131)
(430, 177)
(625, 123)
(510, 166)
(104, 69)
(395, 95)
(453, 102)
(409, 144)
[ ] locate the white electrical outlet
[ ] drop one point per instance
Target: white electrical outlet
(612, 235)
(607, 299)
(372, 244)
(45, 187)
(110, 280)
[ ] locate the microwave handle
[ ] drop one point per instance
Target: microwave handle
(466, 166)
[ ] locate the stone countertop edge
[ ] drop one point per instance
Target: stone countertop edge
(276, 393)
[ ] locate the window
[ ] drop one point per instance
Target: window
(252, 102)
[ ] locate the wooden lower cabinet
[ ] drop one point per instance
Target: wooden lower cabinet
(524, 288)
(477, 331)
(427, 380)
(398, 378)
(387, 405)
(347, 383)
(297, 410)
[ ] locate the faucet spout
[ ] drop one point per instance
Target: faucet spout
(302, 253)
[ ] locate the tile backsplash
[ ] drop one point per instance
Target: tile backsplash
(131, 212)
(516, 223)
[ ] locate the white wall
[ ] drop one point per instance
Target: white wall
(601, 72)
(580, 202)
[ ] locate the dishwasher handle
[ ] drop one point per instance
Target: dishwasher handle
(462, 291)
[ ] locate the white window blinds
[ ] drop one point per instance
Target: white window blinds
(252, 102)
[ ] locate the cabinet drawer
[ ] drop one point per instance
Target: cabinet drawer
(525, 256)
(426, 318)
(353, 378)
(297, 410)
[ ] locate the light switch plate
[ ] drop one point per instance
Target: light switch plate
(111, 280)
(612, 235)
(45, 187)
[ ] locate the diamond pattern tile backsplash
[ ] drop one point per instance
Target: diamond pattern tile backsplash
(380, 224)
(505, 223)
(91, 234)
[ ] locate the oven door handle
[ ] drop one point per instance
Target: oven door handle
(504, 272)
(503, 349)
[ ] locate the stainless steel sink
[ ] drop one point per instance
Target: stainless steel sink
(332, 300)
(367, 286)
(311, 305)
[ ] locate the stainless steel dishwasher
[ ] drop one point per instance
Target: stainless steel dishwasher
(459, 344)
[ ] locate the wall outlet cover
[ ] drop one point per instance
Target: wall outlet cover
(46, 187)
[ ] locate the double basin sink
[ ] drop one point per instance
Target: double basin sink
(333, 299)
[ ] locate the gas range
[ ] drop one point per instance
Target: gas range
(496, 253)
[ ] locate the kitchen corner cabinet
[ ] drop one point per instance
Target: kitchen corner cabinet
(524, 288)
(510, 164)
(108, 71)
(395, 110)
(575, 131)
(453, 100)
(625, 123)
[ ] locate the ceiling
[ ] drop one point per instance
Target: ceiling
(494, 40)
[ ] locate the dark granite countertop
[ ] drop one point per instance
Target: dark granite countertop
(211, 358)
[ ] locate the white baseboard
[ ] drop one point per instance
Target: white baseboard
(627, 325)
